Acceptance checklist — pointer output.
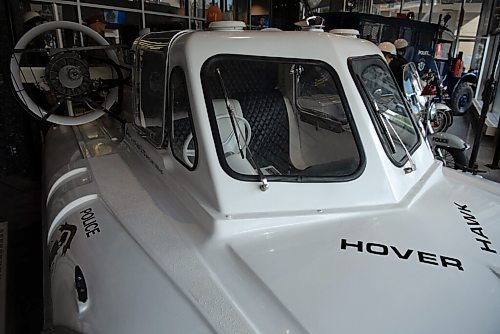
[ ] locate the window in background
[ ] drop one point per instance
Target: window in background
(184, 145)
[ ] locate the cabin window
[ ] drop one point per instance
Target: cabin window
(151, 88)
(389, 112)
(183, 143)
(283, 119)
(318, 99)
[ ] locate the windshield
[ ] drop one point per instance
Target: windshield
(283, 119)
(381, 94)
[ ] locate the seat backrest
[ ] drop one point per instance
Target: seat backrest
(221, 109)
(228, 138)
(267, 114)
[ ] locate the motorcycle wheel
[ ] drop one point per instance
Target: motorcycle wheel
(441, 121)
(461, 100)
(449, 117)
(451, 157)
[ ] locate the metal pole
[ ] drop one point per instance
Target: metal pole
(143, 15)
(250, 13)
(79, 14)
(460, 23)
(187, 3)
(420, 10)
(430, 13)
(58, 31)
(401, 6)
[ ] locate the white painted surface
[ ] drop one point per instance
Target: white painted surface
(182, 251)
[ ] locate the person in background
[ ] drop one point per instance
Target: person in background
(399, 61)
(261, 23)
(401, 45)
(96, 23)
(32, 19)
(388, 50)
(457, 66)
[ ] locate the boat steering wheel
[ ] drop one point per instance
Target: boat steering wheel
(65, 77)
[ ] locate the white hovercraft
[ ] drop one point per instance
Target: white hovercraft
(262, 182)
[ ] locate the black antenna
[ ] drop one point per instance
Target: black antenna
(230, 111)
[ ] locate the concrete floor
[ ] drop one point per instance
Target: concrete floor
(20, 206)
(463, 128)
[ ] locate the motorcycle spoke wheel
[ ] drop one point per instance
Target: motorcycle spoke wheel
(452, 158)
(440, 122)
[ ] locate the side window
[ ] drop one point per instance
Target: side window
(318, 99)
(184, 145)
(285, 119)
(390, 113)
(151, 90)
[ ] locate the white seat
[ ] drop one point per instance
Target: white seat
(228, 137)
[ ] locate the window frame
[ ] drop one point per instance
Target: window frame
(170, 118)
(150, 134)
(377, 59)
(282, 178)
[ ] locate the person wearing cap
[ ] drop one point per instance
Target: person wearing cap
(388, 50)
(401, 45)
(32, 19)
(399, 60)
(96, 23)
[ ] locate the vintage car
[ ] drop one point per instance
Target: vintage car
(263, 182)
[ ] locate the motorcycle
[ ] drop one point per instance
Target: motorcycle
(424, 102)
(441, 116)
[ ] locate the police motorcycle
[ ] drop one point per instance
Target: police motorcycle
(251, 186)
(441, 115)
(457, 86)
(447, 147)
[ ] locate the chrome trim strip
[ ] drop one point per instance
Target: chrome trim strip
(63, 179)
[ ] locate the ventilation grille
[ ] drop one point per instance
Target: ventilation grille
(3, 274)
